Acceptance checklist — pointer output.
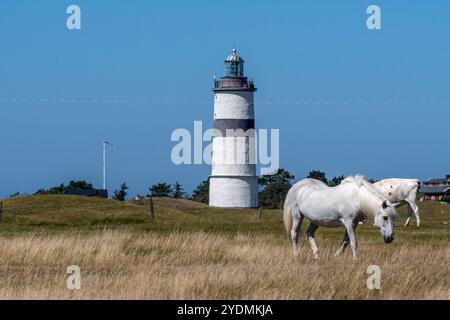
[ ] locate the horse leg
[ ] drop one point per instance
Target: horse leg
(350, 226)
(346, 239)
(413, 208)
(310, 233)
(343, 245)
(296, 222)
(362, 221)
(409, 215)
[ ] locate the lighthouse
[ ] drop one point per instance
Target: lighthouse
(233, 182)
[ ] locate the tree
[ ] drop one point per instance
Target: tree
(121, 194)
(274, 188)
(79, 185)
(160, 190)
(201, 193)
(336, 181)
(319, 175)
(61, 189)
(54, 190)
(177, 191)
(277, 176)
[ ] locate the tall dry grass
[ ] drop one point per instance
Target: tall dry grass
(121, 264)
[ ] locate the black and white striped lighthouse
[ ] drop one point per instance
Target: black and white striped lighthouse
(233, 182)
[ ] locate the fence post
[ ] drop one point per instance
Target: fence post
(152, 210)
(1, 212)
(260, 214)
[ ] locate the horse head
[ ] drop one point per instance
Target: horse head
(384, 220)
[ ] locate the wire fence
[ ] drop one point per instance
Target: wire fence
(148, 206)
(55, 208)
(26, 209)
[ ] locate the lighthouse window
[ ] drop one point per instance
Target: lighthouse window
(234, 68)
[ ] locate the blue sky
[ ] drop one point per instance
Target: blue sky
(388, 85)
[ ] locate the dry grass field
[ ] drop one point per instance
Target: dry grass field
(190, 251)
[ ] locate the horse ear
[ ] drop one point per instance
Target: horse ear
(384, 205)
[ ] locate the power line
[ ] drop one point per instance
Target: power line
(311, 102)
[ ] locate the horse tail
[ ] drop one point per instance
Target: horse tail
(287, 215)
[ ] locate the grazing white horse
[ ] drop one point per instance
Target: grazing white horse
(401, 192)
(343, 205)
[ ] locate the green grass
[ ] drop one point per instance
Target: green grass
(60, 212)
(53, 213)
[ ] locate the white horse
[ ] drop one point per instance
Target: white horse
(401, 192)
(343, 205)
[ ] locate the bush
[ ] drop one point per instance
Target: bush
(446, 199)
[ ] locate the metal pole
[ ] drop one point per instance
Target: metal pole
(104, 164)
(1, 212)
(260, 214)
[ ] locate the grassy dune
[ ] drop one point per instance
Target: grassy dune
(190, 251)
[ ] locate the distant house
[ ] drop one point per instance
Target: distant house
(434, 189)
(87, 192)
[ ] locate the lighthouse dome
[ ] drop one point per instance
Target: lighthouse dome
(234, 57)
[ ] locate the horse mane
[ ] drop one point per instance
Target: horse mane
(370, 197)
